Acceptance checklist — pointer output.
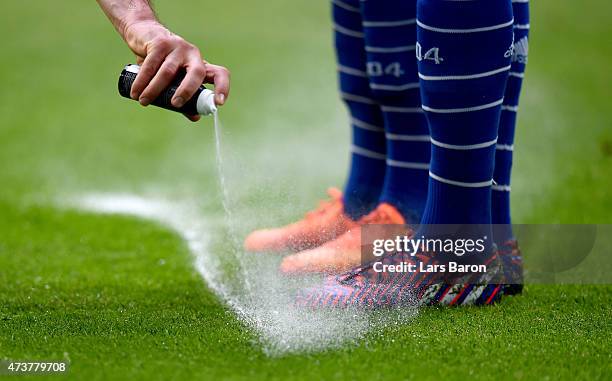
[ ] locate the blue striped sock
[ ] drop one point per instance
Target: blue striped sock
(367, 169)
(507, 124)
(464, 51)
(390, 37)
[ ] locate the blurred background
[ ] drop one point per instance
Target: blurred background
(65, 130)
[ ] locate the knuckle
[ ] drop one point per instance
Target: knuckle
(161, 42)
(192, 48)
(193, 53)
(169, 69)
(199, 70)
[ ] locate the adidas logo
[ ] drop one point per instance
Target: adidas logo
(521, 50)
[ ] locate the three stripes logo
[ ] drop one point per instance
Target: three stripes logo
(521, 51)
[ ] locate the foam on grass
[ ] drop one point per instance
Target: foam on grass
(249, 284)
(251, 182)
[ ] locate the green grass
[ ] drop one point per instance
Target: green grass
(119, 296)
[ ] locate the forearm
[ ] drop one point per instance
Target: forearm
(125, 15)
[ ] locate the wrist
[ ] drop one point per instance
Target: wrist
(140, 32)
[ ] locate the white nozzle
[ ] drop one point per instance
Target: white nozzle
(131, 68)
(206, 103)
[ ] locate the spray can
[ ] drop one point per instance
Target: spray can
(202, 102)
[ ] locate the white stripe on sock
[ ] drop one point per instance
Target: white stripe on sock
(407, 164)
(406, 110)
(460, 183)
(348, 32)
(520, 1)
(367, 153)
(408, 138)
(351, 71)
(463, 77)
(501, 188)
(504, 147)
(383, 24)
(466, 109)
(346, 6)
(510, 108)
(357, 98)
(521, 26)
(464, 147)
(396, 49)
(407, 86)
(471, 30)
(516, 74)
(366, 126)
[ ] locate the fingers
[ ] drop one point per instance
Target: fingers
(196, 72)
(162, 79)
(148, 69)
(164, 57)
(220, 76)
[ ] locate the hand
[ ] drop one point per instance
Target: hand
(162, 55)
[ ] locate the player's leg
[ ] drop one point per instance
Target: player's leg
(368, 153)
(390, 36)
(503, 235)
(389, 27)
(464, 51)
(368, 150)
(464, 56)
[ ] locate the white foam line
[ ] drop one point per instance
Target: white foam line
(267, 307)
(178, 217)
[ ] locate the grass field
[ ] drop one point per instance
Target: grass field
(120, 297)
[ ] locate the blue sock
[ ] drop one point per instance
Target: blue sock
(464, 51)
(367, 170)
(507, 124)
(390, 37)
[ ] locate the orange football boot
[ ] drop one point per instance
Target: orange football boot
(343, 253)
(325, 223)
